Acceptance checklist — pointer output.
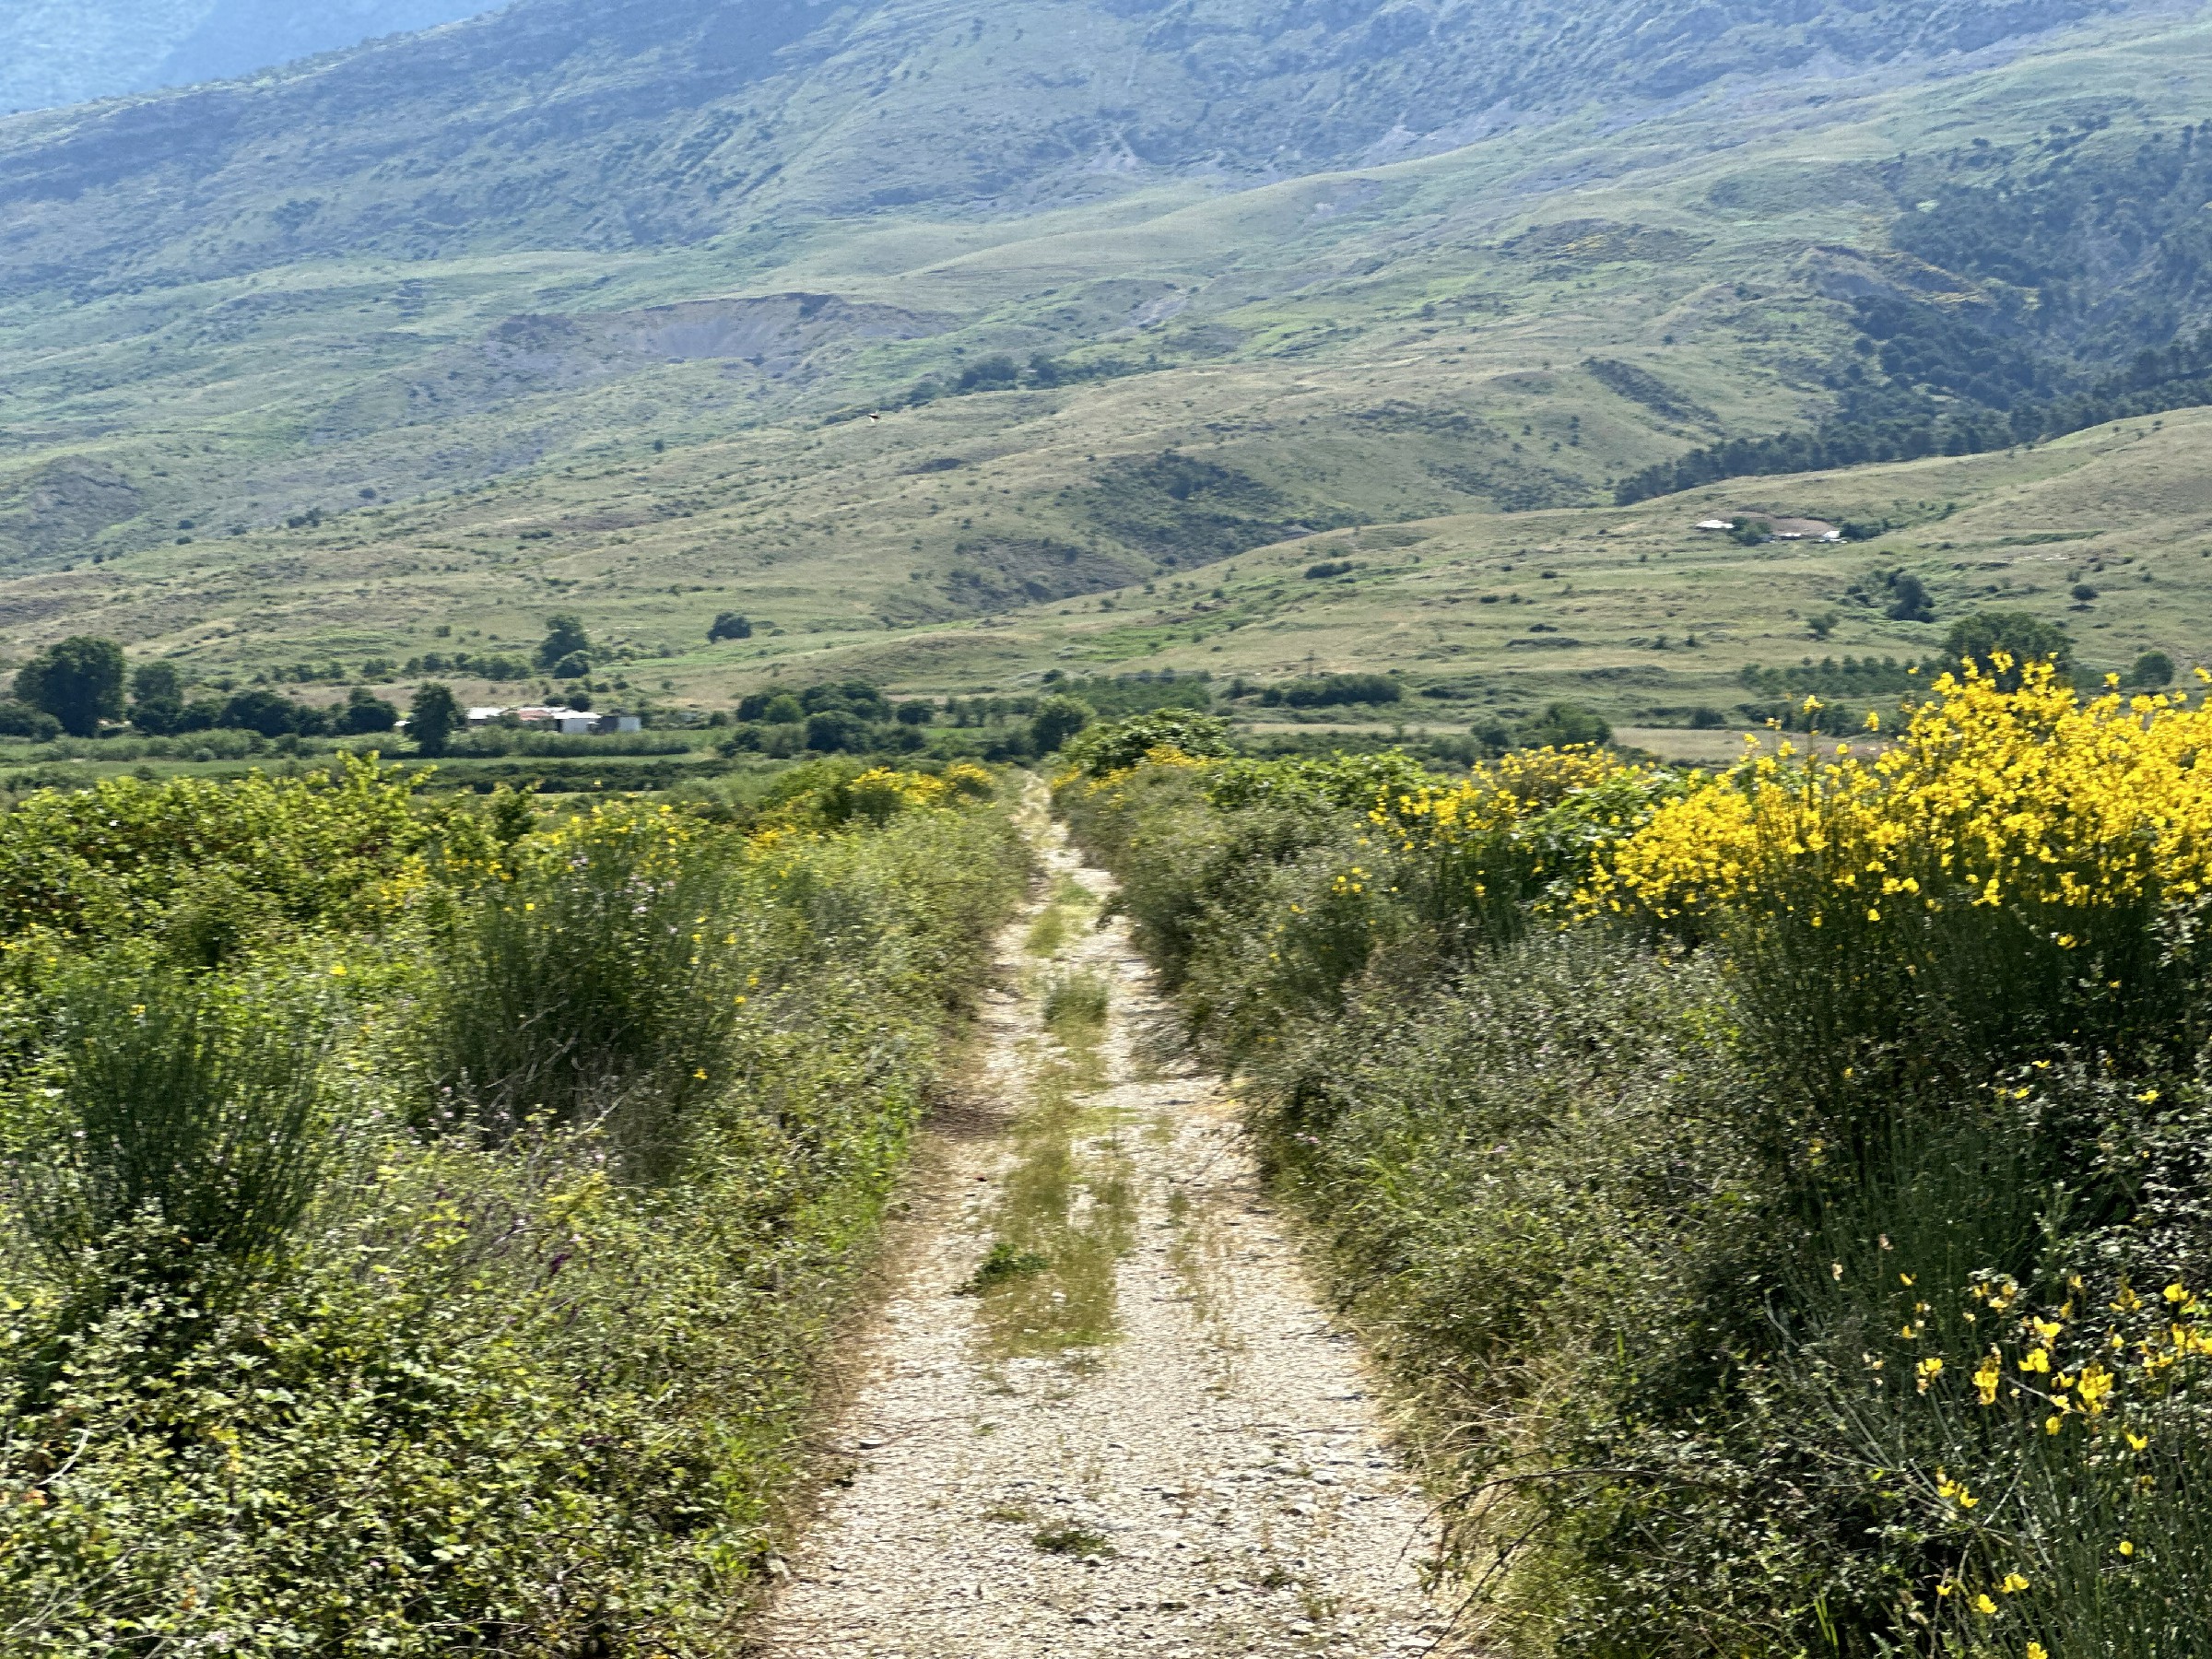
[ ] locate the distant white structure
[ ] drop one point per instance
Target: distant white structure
(569, 722)
(1714, 524)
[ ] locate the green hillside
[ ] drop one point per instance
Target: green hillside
(854, 327)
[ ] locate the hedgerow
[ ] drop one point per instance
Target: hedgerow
(1783, 1190)
(444, 1264)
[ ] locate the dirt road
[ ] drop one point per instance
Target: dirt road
(1105, 1414)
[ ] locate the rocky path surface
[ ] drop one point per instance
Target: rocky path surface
(1104, 1414)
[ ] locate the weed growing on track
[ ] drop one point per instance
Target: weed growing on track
(1075, 1007)
(437, 1258)
(1783, 1190)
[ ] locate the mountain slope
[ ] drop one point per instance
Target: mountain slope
(261, 424)
(650, 122)
(63, 52)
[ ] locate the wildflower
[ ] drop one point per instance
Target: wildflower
(1984, 1605)
(2037, 1651)
(2014, 1583)
(1986, 1377)
(2126, 1547)
(338, 971)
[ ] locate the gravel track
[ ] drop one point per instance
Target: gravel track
(1103, 1413)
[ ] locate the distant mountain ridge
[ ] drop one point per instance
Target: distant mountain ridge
(63, 52)
(655, 122)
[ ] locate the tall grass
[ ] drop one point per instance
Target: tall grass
(600, 985)
(181, 1108)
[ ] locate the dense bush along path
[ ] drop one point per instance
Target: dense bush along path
(1104, 1413)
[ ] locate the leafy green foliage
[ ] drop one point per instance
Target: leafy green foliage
(79, 681)
(1660, 1237)
(1124, 743)
(297, 1356)
(2018, 636)
(1325, 690)
(595, 985)
(565, 638)
(434, 717)
(1057, 719)
(183, 1114)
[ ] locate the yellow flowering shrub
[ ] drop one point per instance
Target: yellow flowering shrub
(874, 796)
(2063, 1463)
(2032, 799)
(2009, 874)
(1514, 830)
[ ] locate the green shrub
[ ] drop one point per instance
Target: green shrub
(479, 1392)
(182, 1109)
(601, 983)
(1694, 1251)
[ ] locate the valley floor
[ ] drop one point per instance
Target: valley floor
(1105, 1413)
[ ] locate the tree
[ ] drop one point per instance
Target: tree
(262, 711)
(1909, 599)
(157, 698)
(1562, 723)
(729, 625)
(2152, 669)
(433, 718)
(79, 682)
(365, 712)
(834, 730)
(2021, 638)
(564, 637)
(1822, 625)
(21, 720)
(1058, 719)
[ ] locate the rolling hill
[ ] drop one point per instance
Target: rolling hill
(919, 334)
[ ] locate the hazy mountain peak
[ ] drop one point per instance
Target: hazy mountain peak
(63, 52)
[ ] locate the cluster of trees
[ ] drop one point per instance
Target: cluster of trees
(1112, 696)
(853, 717)
(566, 653)
(1997, 642)
(1000, 372)
(372, 670)
(79, 685)
(2090, 261)
(1327, 690)
(1863, 676)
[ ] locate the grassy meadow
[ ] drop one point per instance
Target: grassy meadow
(1777, 1192)
(424, 1214)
